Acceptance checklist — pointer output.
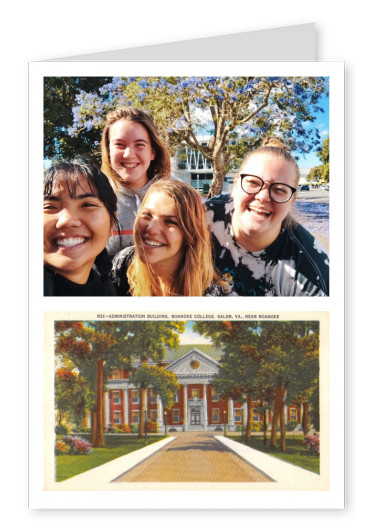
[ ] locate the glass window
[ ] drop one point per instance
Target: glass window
(115, 374)
(176, 397)
(116, 397)
(216, 415)
(215, 395)
(195, 393)
(293, 414)
(135, 396)
(135, 417)
(153, 414)
(117, 417)
(256, 417)
(175, 416)
(153, 397)
(238, 415)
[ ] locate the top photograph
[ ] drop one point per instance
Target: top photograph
(186, 186)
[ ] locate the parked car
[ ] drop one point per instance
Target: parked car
(304, 188)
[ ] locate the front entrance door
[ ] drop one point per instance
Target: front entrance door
(195, 416)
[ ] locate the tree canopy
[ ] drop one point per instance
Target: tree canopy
(94, 347)
(264, 359)
(321, 173)
(234, 112)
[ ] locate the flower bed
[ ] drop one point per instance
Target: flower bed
(72, 446)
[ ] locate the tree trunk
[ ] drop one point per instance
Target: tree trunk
(99, 435)
(93, 419)
(273, 435)
(279, 415)
(219, 174)
(265, 428)
(305, 419)
(282, 424)
(248, 429)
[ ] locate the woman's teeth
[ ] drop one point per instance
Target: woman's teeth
(153, 244)
(69, 242)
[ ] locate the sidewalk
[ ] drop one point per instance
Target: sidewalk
(194, 457)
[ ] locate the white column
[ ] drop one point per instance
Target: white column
(126, 406)
(106, 408)
(160, 412)
(231, 424)
(205, 407)
(185, 407)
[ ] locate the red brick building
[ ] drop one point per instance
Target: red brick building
(197, 404)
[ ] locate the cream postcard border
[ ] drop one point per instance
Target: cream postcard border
(218, 495)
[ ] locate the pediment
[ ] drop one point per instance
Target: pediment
(194, 363)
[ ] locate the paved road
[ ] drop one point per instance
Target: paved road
(194, 457)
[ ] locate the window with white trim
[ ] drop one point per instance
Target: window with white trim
(215, 415)
(175, 416)
(255, 417)
(237, 415)
(153, 414)
(135, 396)
(117, 417)
(153, 396)
(136, 416)
(176, 397)
(116, 397)
(215, 395)
(293, 414)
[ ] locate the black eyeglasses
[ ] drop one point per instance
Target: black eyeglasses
(279, 192)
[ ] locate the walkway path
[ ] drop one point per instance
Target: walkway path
(194, 457)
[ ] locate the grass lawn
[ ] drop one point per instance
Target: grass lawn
(68, 466)
(296, 453)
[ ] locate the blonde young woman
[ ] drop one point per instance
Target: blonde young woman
(172, 255)
(259, 248)
(133, 157)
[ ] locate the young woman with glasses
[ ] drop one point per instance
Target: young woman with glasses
(259, 248)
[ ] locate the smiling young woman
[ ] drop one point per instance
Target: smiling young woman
(79, 212)
(134, 157)
(172, 253)
(259, 248)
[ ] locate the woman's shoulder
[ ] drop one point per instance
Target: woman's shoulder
(123, 257)
(311, 257)
(120, 264)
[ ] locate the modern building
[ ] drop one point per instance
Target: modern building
(197, 404)
(192, 167)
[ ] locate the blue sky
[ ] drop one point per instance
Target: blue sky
(322, 123)
(188, 337)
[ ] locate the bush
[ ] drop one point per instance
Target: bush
(61, 429)
(312, 443)
(151, 426)
(61, 448)
(257, 426)
(134, 428)
(291, 425)
(77, 446)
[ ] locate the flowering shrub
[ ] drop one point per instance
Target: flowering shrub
(151, 426)
(77, 446)
(312, 443)
(61, 448)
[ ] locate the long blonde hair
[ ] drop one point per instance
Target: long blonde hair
(160, 167)
(196, 272)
